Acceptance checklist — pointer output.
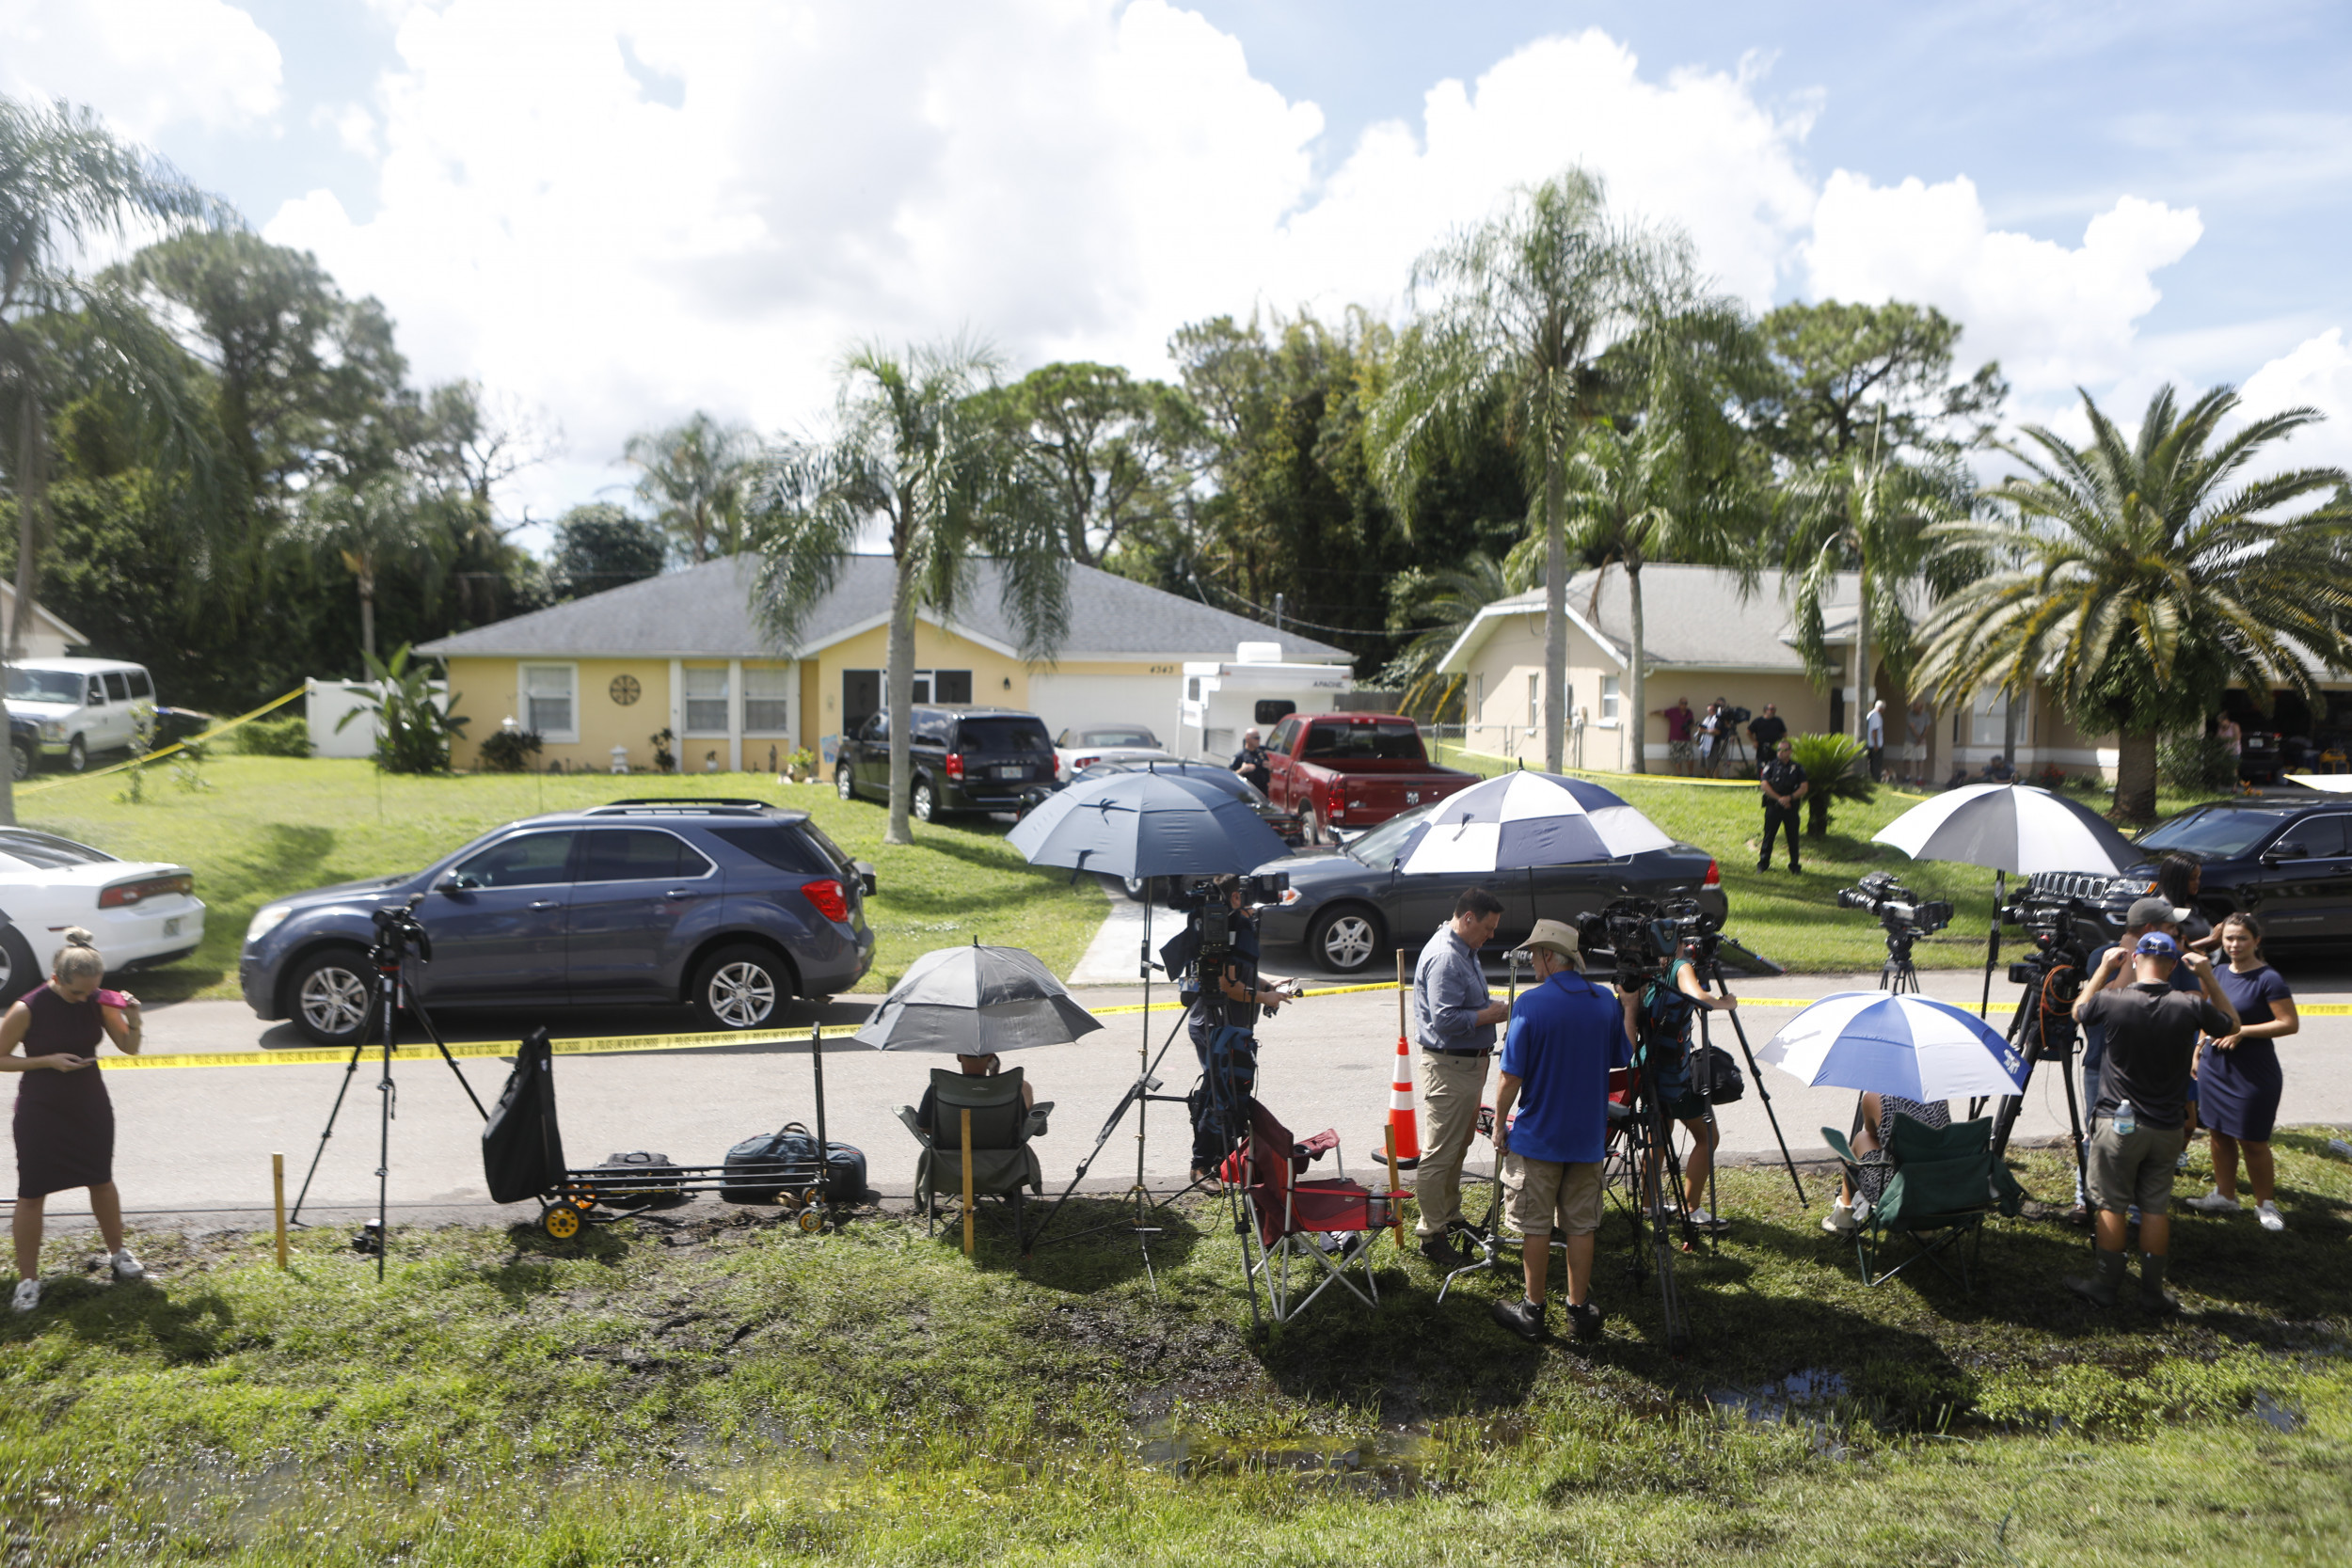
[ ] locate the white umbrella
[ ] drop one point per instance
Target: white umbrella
(1524, 819)
(2010, 827)
(1899, 1044)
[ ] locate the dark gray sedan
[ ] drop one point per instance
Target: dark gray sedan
(1353, 909)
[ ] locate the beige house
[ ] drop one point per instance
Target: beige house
(1705, 638)
(599, 677)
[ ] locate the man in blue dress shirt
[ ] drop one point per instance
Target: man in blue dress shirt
(1453, 1019)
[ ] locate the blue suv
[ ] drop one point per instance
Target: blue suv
(731, 907)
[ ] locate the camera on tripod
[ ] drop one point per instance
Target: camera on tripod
(1211, 919)
(398, 930)
(1735, 717)
(1896, 906)
(1640, 936)
(2059, 948)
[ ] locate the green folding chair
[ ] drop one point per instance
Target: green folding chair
(1943, 1183)
(1003, 1163)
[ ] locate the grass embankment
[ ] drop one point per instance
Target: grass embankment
(727, 1391)
(1794, 919)
(267, 826)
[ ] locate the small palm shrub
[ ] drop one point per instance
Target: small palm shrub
(1831, 765)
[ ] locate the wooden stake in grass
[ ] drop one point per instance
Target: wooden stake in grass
(278, 1183)
(966, 1114)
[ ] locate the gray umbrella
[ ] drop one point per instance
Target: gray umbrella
(1147, 825)
(976, 1001)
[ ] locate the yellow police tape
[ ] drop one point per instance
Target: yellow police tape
(621, 1044)
(158, 755)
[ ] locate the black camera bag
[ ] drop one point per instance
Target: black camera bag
(753, 1178)
(1715, 1076)
(649, 1179)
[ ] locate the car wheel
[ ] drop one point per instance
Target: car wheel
(76, 755)
(1344, 939)
(22, 970)
(844, 783)
(925, 804)
(740, 988)
(1137, 889)
(1310, 828)
(330, 994)
(22, 760)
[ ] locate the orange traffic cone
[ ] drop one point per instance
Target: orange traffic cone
(1403, 1122)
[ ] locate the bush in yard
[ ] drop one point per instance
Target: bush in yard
(1830, 764)
(510, 750)
(2197, 764)
(413, 726)
(287, 737)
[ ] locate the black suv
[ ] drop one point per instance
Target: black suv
(966, 759)
(730, 905)
(2286, 859)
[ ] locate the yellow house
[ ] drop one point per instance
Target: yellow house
(1705, 639)
(599, 678)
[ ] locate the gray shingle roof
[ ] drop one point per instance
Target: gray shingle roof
(705, 612)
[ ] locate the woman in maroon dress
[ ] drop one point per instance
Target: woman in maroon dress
(65, 1124)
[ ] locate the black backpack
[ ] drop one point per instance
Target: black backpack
(641, 1179)
(761, 1169)
(522, 1153)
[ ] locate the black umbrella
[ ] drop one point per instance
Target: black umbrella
(1146, 825)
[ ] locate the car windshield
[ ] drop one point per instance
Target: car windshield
(1392, 840)
(1129, 736)
(1003, 734)
(46, 851)
(45, 686)
(2215, 833)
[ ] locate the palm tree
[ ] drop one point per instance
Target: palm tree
(369, 528)
(1437, 604)
(2148, 575)
(67, 183)
(916, 455)
(1864, 511)
(1521, 308)
(692, 478)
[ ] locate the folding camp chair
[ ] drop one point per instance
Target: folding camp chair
(1334, 1222)
(1945, 1181)
(1003, 1163)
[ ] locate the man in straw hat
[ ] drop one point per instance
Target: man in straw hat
(1565, 1033)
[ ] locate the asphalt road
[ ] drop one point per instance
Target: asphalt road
(194, 1144)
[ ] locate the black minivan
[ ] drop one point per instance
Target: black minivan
(966, 759)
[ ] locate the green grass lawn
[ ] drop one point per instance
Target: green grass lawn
(725, 1391)
(1794, 920)
(267, 826)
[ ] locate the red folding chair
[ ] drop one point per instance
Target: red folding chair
(1333, 1222)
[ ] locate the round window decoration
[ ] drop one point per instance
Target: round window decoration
(624, 690)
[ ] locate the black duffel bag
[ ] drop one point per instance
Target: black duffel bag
(1715, 1076)
(634, 1180)
(784, 1161)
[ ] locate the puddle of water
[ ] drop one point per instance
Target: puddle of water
(1390, 1464)
(1806, 1398)
(2278, 1417)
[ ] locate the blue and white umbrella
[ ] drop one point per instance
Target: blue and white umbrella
(1525, 820)
(1895, 1045)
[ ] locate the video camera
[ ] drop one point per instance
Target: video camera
(398, 930)
(1641, 935)
(1209, 918)
(1207, 892)
(1896, 906)
(2050, 924)
(1735, 717)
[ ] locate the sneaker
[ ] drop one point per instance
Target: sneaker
(27, 1296)
(1840, 1221)
(2214, 1203)
(2269, 1215)
(1522, 1318)
(1705, 1221)
(1586, 1320)
(128, 1269)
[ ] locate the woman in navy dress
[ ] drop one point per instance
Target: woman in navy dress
(65, 1124)
(2238, 1081)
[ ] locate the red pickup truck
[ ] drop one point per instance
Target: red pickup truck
(1353, 770)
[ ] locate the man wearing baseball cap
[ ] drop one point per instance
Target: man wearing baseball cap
(2145, 915)
(1565, 1033)
(2139, 1122)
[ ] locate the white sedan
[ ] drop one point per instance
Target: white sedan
(142, 913)
(1075, 750)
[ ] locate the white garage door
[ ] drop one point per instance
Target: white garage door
(1071, 702)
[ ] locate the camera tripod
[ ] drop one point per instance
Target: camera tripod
(1898, 974)
(397, 930)
(2044, 1028)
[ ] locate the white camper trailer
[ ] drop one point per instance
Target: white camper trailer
(1221, 701)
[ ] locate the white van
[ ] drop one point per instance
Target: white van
(82, 704)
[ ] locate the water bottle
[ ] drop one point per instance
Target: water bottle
(2127, 1119)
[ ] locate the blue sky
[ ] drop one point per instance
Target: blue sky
(613, 213)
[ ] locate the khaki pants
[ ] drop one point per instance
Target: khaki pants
(1452, 1088)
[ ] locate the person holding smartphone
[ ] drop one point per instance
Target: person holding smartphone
(65, 1124)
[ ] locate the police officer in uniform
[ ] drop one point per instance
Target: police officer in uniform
(1784, 784)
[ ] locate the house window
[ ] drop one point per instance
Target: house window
(1608, 699)
(949, 687)
(706, 702)
(766, 707)
(548, 693)
(1478, 698)
(1535, 700)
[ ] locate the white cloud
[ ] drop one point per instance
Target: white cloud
(144, 64)
(2316, 374)
(2056, 317)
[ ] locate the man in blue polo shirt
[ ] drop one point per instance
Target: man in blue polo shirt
(1565, 1033)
